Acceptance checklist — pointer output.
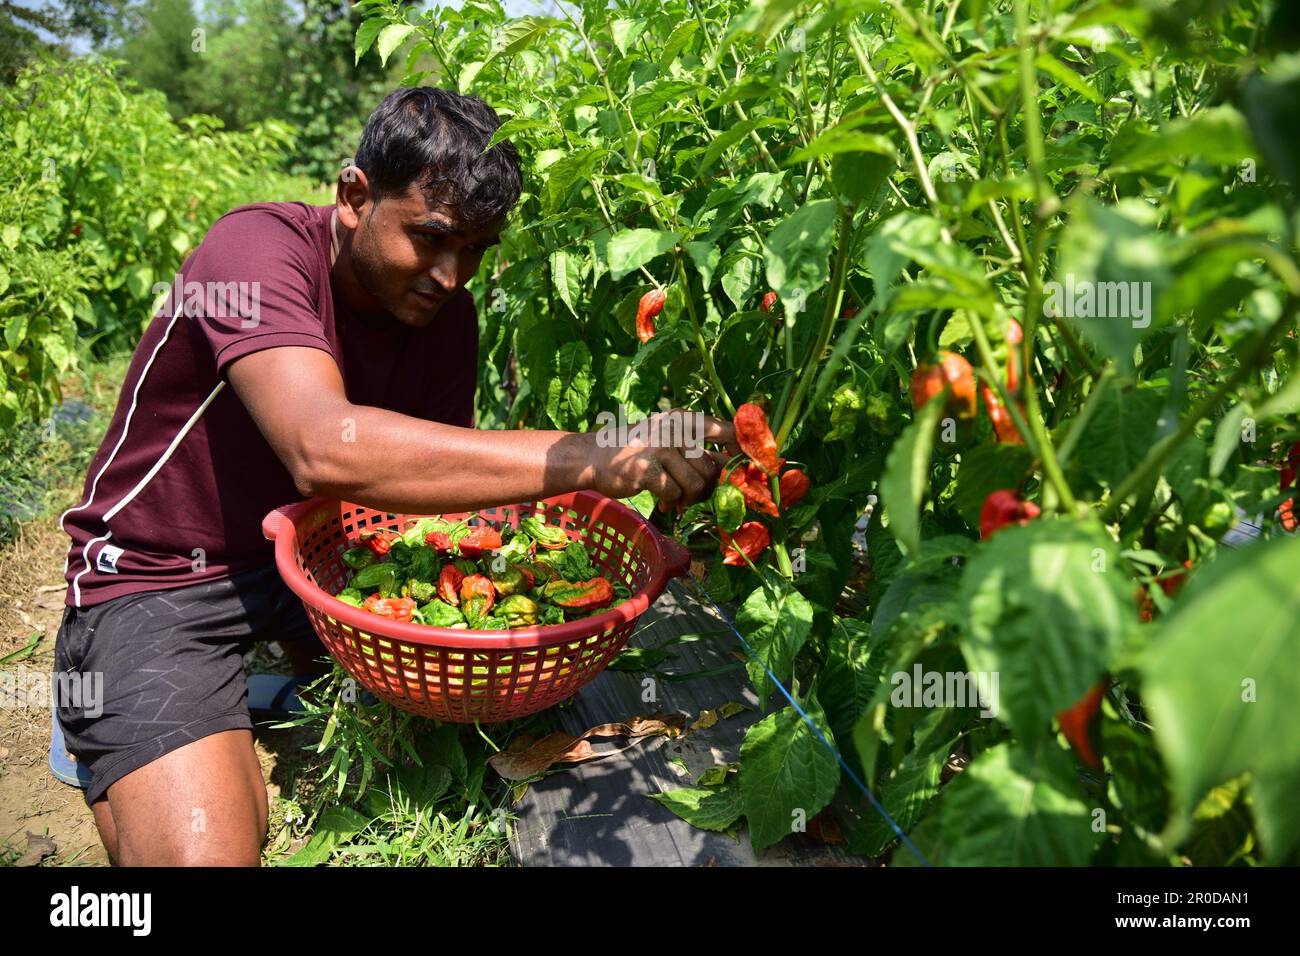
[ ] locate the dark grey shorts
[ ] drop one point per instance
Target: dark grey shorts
(141, 675)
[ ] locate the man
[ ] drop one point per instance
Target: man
(304, 350)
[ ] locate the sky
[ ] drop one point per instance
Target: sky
(516, 8)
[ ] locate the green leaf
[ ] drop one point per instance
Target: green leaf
(336, 825)
(985, 469)
(654, 98)
(1272, 105)
(566, 273)
(366, 34)
(838, 140)
(1137, 785)
(1063, 74)
(518, 34)
(850, 675)
(1016, 806)
(625, 32)
(1046, 608)
(568, 393)
(1218, 134)
(1221, 685)
(630, 249)
(787, 774)
(390, 38)
(776, 620)
(1110, 276)
(1119, 434)
(907, 474)
(906, 796)
(797, 254)
(709, 808)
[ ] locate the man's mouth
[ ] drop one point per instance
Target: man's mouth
(429, 299)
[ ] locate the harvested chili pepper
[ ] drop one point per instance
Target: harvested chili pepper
(549, 536)
(931, 378)
(519, 610)
(751, 481)
(651, 304)
(1002, 508)
(379, 541)
(479, 540)
(396, 608)
(794, 485)
(769, 300)
(755, 438)
(449, 582)
(750, 540)
(1074, 721)
(476, 597)
(579, 595)
(439, 540)
(509, 580)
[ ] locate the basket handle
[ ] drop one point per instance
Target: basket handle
(274, 521)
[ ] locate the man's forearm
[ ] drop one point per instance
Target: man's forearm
(394, 462)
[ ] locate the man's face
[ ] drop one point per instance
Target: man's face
(410, 255)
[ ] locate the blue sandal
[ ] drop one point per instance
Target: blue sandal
(63, 765)
(275, 696)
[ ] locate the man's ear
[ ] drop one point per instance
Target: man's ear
(351, 196)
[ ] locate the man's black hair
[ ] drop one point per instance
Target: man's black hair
(435, 138)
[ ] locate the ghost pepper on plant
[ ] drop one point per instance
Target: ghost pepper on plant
(794, 485)
(1074, 721)
(1002, 508)
(931, 378)
(1289, 468)
(728, 506)
(751, 481)
(769, 300)
(755, 438)
(651, 304)
(749, 541)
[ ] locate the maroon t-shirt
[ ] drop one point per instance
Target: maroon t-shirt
(178, 489)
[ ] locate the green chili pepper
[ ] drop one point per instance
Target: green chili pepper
(551, 614)
(728, 506)
(508, 581)
(846, 403)
(518, 610)
(420, 590)
(548, 536)
(359, 557)
(441, 614)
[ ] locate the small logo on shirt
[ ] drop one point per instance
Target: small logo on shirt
(106, 560)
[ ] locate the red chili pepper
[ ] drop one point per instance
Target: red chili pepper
(1002, 508)
(1015, 335)
(1074, 721)
(849, 312)
(751, 481)
(794, 485)
(755, 438)
(749, 541)
(1170, 585)
(930, 379)
(651, 304)
(449, 582)
(769, 300)
(477, 595)
(529, 577)
(76, 229)
(1004, 426)
(396, 608)
(379, 541)
(479, 540)
(439, 540)
(580, 595)
(1290, 466)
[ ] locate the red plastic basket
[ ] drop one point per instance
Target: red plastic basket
(459, 675)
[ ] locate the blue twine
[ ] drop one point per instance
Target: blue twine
(815, 729)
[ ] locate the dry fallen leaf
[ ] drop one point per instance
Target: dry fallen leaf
(527, 762)
(706, 720)
(731, 709)
(825, 829)
(38, 848)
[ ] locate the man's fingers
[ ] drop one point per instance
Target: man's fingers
(692, 483)
(721, 432)
(664, 486)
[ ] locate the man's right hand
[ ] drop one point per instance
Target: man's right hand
(668, 458)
